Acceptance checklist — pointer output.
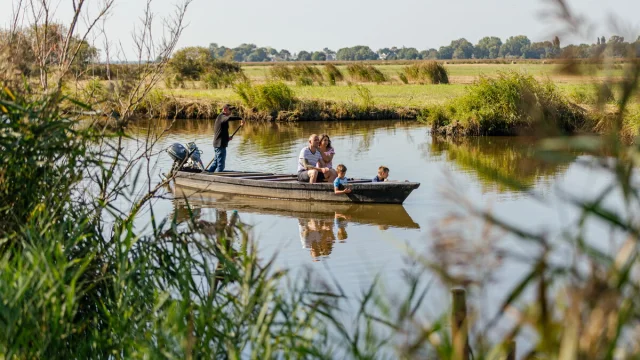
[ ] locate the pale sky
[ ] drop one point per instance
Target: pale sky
(312, 25)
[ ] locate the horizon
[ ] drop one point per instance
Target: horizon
(337, 24)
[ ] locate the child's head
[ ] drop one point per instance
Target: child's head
(341, 170)
(383, 172)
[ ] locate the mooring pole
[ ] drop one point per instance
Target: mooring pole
(459, 325)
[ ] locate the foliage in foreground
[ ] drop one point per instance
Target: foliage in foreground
(77, 280)
(509, 104)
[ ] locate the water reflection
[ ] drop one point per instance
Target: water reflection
(320, 224)
(495, 159)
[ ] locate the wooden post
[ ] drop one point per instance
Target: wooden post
(459, 325)
(511, 350)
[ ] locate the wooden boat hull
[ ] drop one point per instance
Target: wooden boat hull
(279, 186)
(387, 215)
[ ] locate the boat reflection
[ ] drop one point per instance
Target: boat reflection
(320, 224)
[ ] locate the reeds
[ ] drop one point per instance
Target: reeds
(270, 97)
(365, 73)
(430, 72)
(507, 105)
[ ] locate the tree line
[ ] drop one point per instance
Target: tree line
(489, 47)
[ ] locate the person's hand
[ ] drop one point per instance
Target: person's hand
(347, 191)
(324, 170)
(230, 138)
(241, 122)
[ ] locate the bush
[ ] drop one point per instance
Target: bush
(506, 105)
(365, 73)
(430, 72)
(281, 72)
(332, 74)
(270, 97)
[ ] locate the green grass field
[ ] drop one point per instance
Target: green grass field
(465, 73)
(383, 94)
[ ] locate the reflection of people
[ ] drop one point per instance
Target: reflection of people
(341, 224)
(317, 236)
(311, 167)
(383, 174)
(221, 137)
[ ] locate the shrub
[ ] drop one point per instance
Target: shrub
(403, 78)
(332, 74)
(507, 105)
(365, 73)
(271, 97)
(430, 72)
(281, 72)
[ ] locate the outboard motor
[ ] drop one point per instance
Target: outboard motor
(195, 155)
(177, 152)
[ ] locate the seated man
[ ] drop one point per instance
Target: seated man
(310, 165)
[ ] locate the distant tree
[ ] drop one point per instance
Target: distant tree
(514, 46)
(603, 40)
(304, 56)
(284, 54)
(462, 49)
(257, 55)
(271, 51)
(445, 52)
(430, 54)
(329, 53)
(408, 54)
(598, 41)
(191, 62)
(556, 42)
(615, 39)
(358, 53)
(318, 56)
(487, 48)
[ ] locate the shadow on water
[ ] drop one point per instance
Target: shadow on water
(320, 224)
(493, 159)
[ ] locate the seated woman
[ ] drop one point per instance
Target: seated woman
(327, 152)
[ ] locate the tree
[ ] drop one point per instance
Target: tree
(357, 53)
(408, 53)
(514, 46)
(191, 62)
(487, 48)
(556, 42)
(304, 56)
(603, 40)
(318, 56)
(284, 54)
(445, 52)
(598, 41)
(430, 54)
(462, 49)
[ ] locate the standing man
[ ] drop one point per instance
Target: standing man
(221, 137)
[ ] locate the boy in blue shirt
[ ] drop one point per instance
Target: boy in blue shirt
(340, 183)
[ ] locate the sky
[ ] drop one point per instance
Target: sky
(313, 25)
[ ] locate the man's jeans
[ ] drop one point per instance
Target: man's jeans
(218, 160)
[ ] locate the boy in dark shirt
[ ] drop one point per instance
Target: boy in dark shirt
(383, 174)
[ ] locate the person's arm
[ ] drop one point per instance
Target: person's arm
(336, 190)
(327, 158)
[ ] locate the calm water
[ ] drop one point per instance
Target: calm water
(354, 244)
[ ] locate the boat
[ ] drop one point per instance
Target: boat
(385, 215)
(286, 186)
